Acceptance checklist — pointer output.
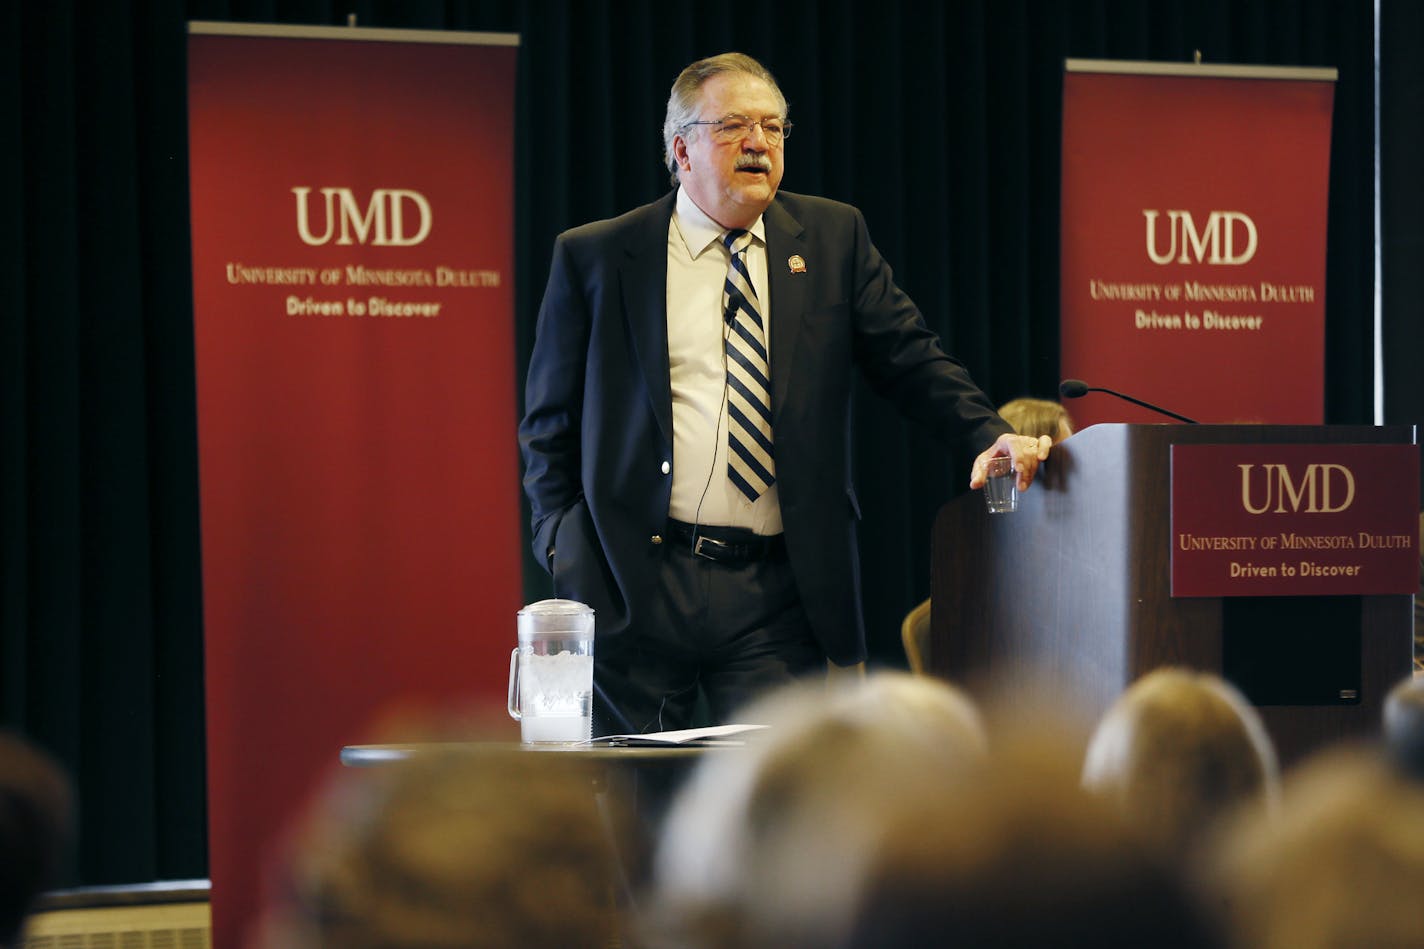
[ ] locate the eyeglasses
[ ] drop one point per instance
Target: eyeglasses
(736, 128)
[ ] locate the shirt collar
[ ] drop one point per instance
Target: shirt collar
(698, 231)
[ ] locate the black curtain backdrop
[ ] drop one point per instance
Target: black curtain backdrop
(940, 120)
(1401, 223)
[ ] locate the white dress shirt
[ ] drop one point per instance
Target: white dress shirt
(696, 273)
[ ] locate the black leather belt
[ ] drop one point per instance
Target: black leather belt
(726, 545)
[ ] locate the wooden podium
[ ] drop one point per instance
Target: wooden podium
(1075, 587)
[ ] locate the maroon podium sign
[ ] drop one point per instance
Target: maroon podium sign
(1294, 520)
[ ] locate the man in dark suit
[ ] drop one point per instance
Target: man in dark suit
(686, 436)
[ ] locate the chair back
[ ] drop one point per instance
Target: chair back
(915, 634)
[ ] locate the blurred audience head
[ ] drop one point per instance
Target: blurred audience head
(36, 817)
(1038, 417)
(1177, 752)
(1404, 726)
(1342, 867)
(491, 849)
(760, 848)
(1018, 856)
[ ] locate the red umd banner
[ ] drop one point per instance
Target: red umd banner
(1193, 245)
(352, 219)
(1294, 520)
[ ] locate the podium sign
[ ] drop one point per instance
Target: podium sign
(1294, 520)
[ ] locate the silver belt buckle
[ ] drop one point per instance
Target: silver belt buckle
(715, 544)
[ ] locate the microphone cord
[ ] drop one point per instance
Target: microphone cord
(722, 413)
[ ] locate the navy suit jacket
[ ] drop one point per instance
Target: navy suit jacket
(597, 431)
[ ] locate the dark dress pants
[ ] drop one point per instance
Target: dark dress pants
(727, 630)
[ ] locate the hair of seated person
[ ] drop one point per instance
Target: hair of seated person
(1038, 417)
(498, 850)
(1176, 752)
(1019, 858)
(1342, 865)
(36, 818)
(1404, 726)
(757, 844)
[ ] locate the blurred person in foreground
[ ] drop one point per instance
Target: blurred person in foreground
(1038, 417)
(760, 847)
(1018, 856)
(1176, 752)
(1404, 726)
(1419, 606)
(36, 823)
(502, 849)
(1343, 866)
(891, 822)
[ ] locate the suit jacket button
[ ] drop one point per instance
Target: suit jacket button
(657, 538)
(666, 467)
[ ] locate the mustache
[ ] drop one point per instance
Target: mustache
(760, 162)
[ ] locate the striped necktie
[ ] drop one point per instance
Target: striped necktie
(749, 452)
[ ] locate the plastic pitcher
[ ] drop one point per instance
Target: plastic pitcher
(551, 673)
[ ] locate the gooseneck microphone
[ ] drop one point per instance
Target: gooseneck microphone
(1076, 388)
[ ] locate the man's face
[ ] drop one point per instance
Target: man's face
(731, 181)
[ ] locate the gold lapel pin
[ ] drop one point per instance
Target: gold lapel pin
(797, 263)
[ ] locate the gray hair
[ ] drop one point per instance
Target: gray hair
(684, 103)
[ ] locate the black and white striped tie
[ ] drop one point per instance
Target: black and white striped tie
(749, 453)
